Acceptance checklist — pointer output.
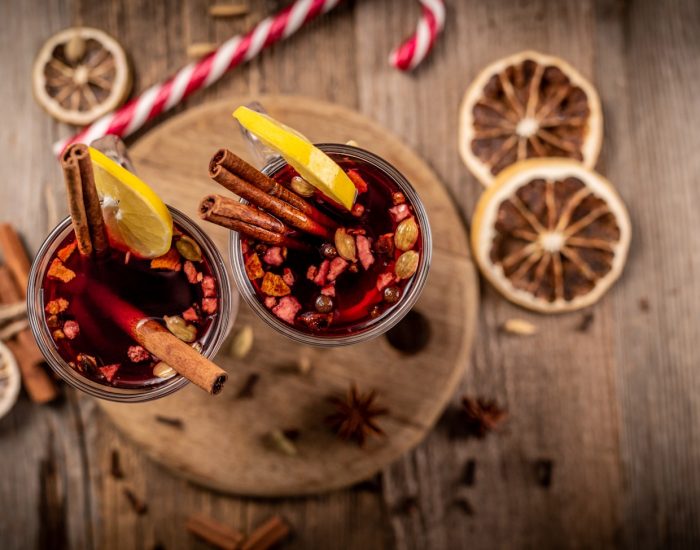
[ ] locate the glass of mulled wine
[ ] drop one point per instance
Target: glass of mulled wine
(358, 283)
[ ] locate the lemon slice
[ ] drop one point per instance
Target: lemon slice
(312, 164)
(135, 217)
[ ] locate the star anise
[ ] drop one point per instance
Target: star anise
(355, 415)
(482, 415)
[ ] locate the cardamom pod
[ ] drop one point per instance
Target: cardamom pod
(180, 328)
(345, 245)
(406, 234)
(242, 342)
(189, 249)
(521, 327)
(407, 264)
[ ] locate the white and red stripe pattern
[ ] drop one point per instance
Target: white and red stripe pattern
(408, 55)
(202, 73)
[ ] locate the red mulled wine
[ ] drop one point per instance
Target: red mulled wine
(340, 284)
(177, 289)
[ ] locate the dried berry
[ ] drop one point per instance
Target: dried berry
(345, 245)
(316, 321)
(54, 307)
(302, 187)
(137, 354)
(324, 304)
(71, 329)
(406, 234)
(375, 312)
(180, 328)
(328, 251)
(391, 294)
(86, 363)
(261, 248)
(189, 249)
(357, 210)
(52, 321)
(407, 264)
(385, 244)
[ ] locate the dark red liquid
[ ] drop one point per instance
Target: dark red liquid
(155, 292)
(358, 300)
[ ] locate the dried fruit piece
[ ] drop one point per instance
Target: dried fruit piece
(328, 290)
(302, 187)
(53, 322)
(109, 371)
(358, 181)
(520, 327)
(275, 255)
(288, 276)
(71, 329)
(253, 267)
(209, 286)
(54, 307)
(242, 342)
(180, 328)
(138, 354)
(270, 302)
(322, 274)
(338, 265)
(551, 235)
(399, 212)
(67, 251)
(191, 272)
(384, 280)
(357, 210)
(398, 197)
(287, 309)
(528, 105)
(274, 285)
(210, 305)
(406, 234)
(170, 260)
(189, 249)
(364, 251)
(58, 334)
(345, 244)
(60, 272)
(163, 370)
(190, 314)
(407, 264)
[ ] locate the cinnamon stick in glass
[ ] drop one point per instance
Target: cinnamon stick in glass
(248, 220)
(237, 166)
(36, 381)
(275, 206)
(159, 341)
(83, 201)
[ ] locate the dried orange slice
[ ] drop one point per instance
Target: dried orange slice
(550, 234)
(524, 106)
(80, 74)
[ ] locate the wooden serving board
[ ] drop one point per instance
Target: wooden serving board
(221, 444)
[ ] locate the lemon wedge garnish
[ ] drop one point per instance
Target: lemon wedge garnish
(312, 164)
(136, 218)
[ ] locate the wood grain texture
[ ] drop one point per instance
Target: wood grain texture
(173, 159)
(615, 408)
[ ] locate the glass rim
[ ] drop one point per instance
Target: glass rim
(214, 338)
(390, 317)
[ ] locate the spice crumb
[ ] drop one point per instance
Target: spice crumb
(138, 505)
(116, 468)
(586, 322)
(248, 389)
(543, 472)
(170, 421)
(469, 475)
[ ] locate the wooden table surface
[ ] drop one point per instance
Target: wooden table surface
(615, 409)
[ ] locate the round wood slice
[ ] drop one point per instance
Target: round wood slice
(222, 443)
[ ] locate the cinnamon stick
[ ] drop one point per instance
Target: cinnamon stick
(284, 211)
(159, 341)
(83, 201)
(242, 218)
(216, 205)
(39, 385)
(237, 166)
(215, 533)
(15, 256)
(266, 535)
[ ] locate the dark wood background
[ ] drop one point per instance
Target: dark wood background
(615, 409)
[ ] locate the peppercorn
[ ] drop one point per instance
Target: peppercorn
(392, 294)
(324, 304)
(261, 248)
(328, 251)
